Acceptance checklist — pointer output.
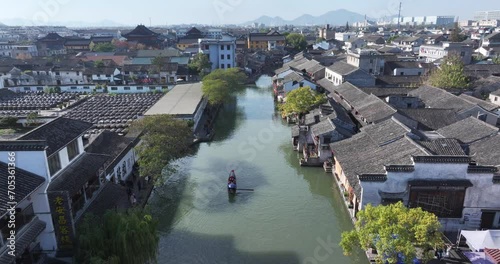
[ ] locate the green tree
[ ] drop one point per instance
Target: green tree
(297, 41)
(496, 60)
(455, 35)
(32, 118)
(164, 139)
(319, 40)
(450, 74)
(8, 122)
(99, 64)
(130, 237)
(301, 101)
(221, 84)
(103, 47)
(200, 64)
(391, 39)
(347, 26)
(392, 230)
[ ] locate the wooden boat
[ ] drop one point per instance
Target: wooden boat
(231, 183)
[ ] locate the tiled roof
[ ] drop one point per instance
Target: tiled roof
(485, 152)
(58, 133)
(439, 98)
(326, 84)
(448, 183)
(375, 147)
(112, 196)
(342, 68)
(112, 145)
(322, 127)
(73, 178)
(443, 147)
(468, 130)
(26, 183)
(484, 104)
(384, 92)
(25, 145)
(77, 42)
(431, 118)
(293, 77)
(140, 30)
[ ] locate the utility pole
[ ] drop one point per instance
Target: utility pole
(399, 17)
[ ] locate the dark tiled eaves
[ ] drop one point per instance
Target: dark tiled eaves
(443, 183)
(400, 168)
(482, 169)
(373, 177)
(442, 159)
(23, 145)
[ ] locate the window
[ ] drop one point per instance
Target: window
(39, 88)
(444, 202)
(462, 54)
(222, 66)
(229, 66)
(54, 164)
(221, 47)
(228, 47)
(370, 71)
(73, 87)
(58, 73)
(73, 149)
(77, 73)
(222, 56)
(402, 73)
(98, 75)
(228, 56)
(27, 89)
(206, 47)
(114, 88)
(371, 60)
(86, 87)
(126, 88)
(419, 73)
(496, 98)
(108, 75)
(140, 88)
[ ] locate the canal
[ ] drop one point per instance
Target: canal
(294, 214)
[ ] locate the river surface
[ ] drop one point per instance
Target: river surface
(294, 214)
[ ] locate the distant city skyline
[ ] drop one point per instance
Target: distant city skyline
(217, 12)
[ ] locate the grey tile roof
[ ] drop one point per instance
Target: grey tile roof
(386, 131)
(493, 36)
(25, 145)
(296, 62)
(58, 133)
(112, 196)
(439, 98)
(74, 177)
(113, 145)
(468, 130)
(443, 147)
(293, 77)
(362, 155)
(323, 127)
(343, 68)
(326, 84)
(374, 109)
(431, 118)
(310, 118)
(484, 104)
(485, 152)
(295, 131)
(26, 183)
(307, 65)
(23, 240)
(384, 92)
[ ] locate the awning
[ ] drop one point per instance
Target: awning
(479, 240)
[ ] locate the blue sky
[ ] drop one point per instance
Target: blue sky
(161, 12)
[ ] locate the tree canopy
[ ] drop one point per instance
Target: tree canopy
(116, 238)
(455, 35)
(103, 47)
(220, 84)
(164, 140)
(395, 231)
(301, 100)
(451, 74)
(297, 41)
(200, 64)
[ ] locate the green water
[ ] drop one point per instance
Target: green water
(294, 215)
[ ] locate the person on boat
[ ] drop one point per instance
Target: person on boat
(232, 178)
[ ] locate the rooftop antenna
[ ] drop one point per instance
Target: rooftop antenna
(399, 16)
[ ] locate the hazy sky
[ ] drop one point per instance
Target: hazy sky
(161, 12)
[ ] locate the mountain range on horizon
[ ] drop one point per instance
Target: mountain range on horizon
(335, 18)
(27, 22)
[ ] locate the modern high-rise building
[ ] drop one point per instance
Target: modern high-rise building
(487, 15)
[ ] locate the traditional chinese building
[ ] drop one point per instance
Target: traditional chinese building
(52, 44)
(141, 34)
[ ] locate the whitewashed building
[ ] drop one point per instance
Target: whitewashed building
(221, 52)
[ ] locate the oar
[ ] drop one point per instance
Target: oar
(248, 190)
